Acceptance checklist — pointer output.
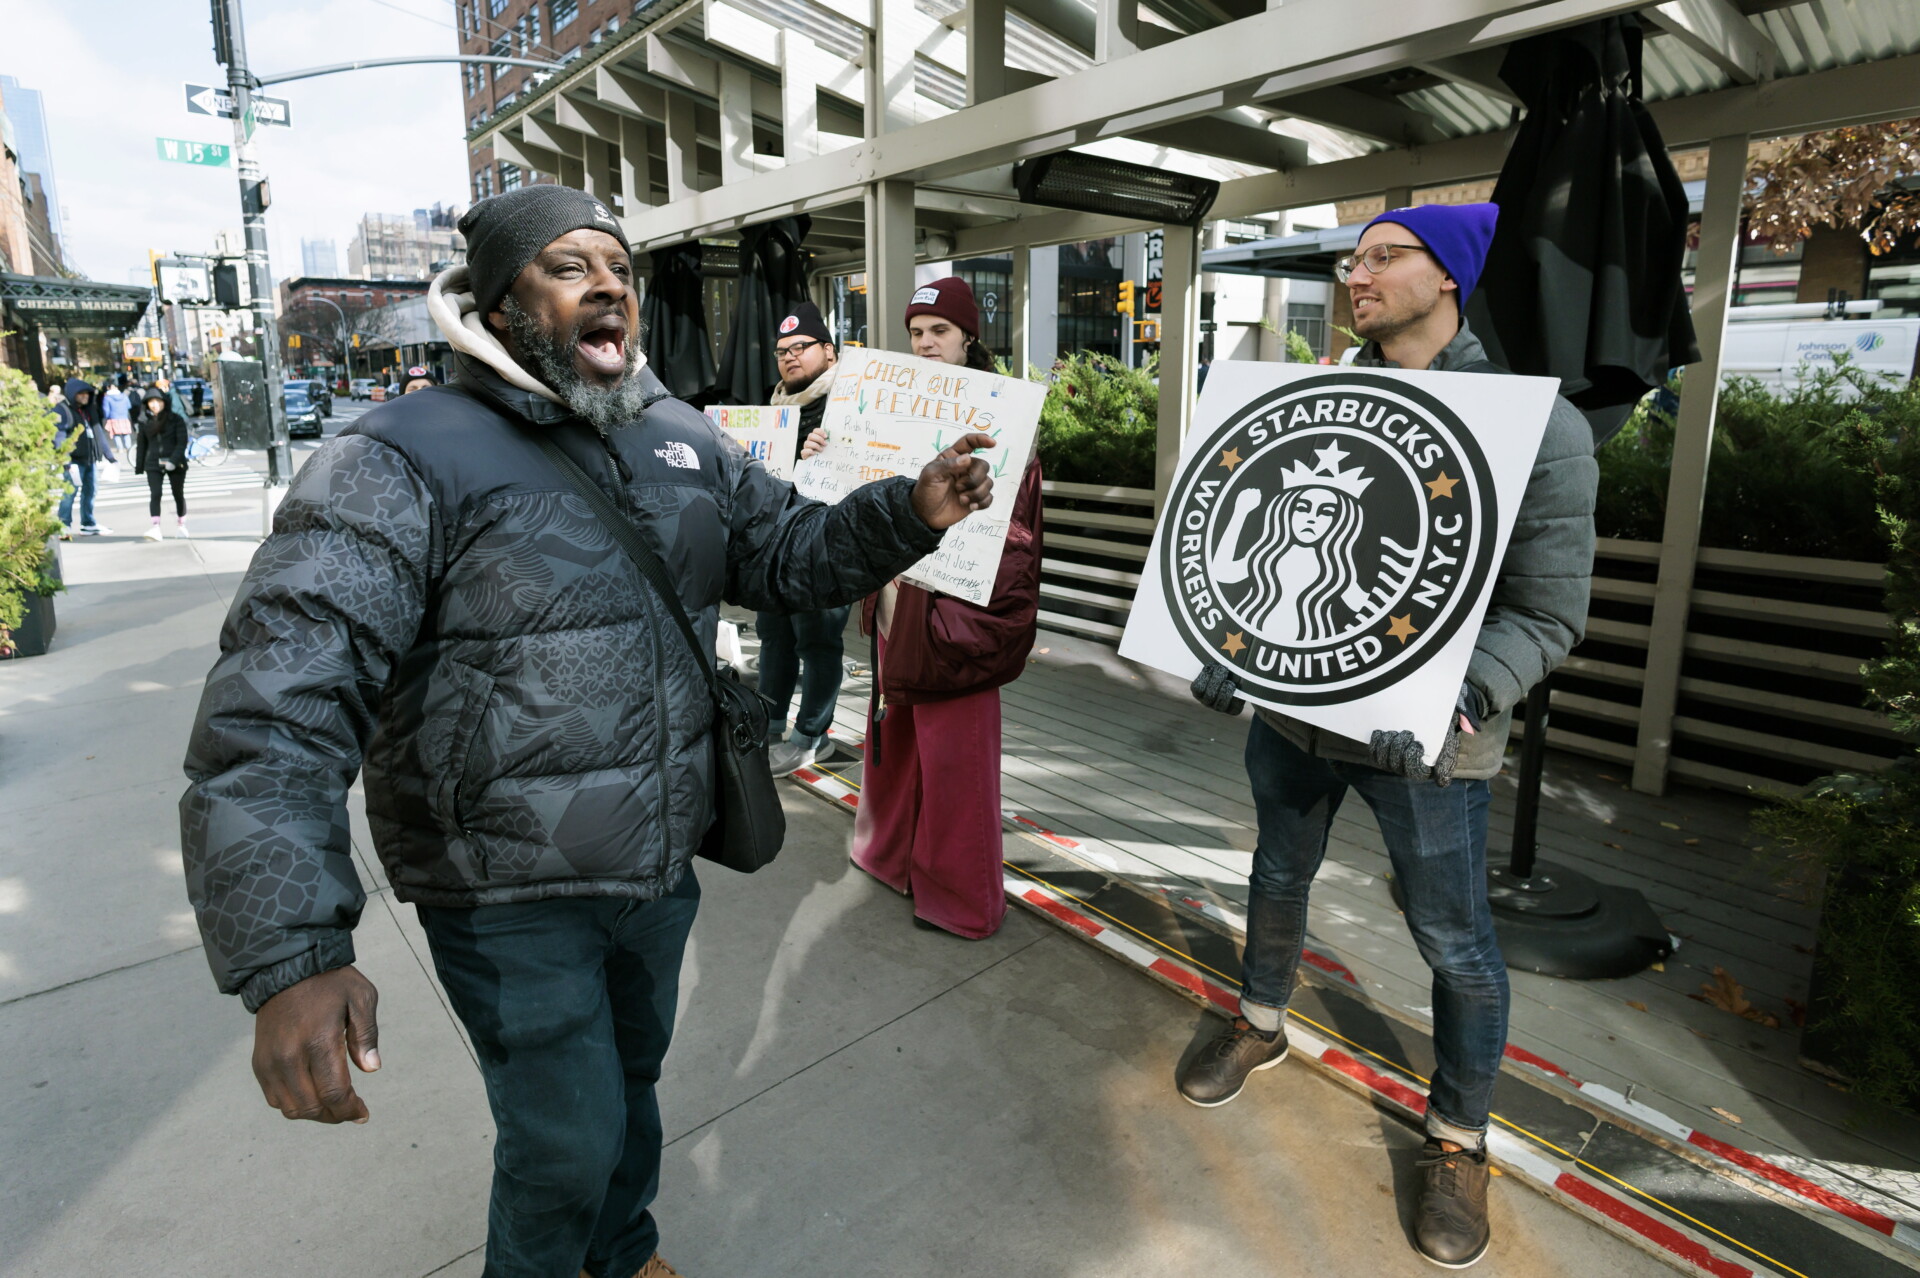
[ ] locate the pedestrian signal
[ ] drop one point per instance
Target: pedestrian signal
(1125, 305)
(356, 341)
(1145, 331)
(293, 341)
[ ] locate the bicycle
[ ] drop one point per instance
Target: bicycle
(207, 447)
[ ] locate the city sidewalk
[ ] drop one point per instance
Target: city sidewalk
(848, 1096)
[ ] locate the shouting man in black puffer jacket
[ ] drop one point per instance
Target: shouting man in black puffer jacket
(437, 606)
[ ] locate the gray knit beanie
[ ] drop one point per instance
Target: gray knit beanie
(506, 231)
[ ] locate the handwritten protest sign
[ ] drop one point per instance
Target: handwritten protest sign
(1333, 537)
(891, 414)
(770, 435)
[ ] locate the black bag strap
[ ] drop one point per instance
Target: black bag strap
(629, 539)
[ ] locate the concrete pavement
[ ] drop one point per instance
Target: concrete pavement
(847, 1095)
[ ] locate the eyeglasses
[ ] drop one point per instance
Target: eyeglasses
(1376, 259)
(796, 350)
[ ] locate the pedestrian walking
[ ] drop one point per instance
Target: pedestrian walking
(928, 825)
(163, 456)
(805, 648)
(439, 600)
(90, 447)
(1408, 279)
(118, 408)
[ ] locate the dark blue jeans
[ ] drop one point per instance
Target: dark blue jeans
(88, 479)
(787, 640)
(570, 1005)
(1437, 841)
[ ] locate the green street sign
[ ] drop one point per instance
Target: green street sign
(212, 154)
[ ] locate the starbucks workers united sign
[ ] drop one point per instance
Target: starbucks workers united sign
(1333, 536)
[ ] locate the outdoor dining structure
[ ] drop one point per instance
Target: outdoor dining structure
(897, 135)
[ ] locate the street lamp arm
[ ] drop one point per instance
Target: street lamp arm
(263, 81)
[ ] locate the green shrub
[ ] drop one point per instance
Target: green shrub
(1862, 830)
(30, 488)
(1775, 480)
(1100, 421)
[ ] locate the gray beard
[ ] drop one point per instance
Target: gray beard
(550, 357)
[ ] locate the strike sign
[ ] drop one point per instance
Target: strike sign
(1333, 537)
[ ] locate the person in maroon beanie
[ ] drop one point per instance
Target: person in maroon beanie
(939, 662)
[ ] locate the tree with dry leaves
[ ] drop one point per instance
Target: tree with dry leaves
(1843, 178)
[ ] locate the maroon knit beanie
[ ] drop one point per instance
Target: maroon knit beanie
(951, 300)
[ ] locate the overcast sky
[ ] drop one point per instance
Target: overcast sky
(386, 140)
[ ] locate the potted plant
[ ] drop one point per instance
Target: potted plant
(1860, 833)
(1099, 422)
(30, 487)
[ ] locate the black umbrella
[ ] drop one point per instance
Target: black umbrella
(674, 321)
(1582, 281)
(773, 276)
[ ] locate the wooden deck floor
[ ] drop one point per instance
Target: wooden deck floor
(1119, 758)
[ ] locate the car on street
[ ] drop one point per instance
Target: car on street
(316, 390)
(303, 415)
(361, 388)
(184, 388)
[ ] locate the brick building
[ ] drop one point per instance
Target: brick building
(548, 30)
(354, 294)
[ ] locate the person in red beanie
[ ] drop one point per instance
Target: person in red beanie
(934, 724)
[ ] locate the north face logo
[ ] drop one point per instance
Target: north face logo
(679, 454)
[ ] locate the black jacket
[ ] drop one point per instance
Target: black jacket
(438, 609)
(162, 438)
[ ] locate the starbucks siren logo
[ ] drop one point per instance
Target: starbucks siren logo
(1333, 542)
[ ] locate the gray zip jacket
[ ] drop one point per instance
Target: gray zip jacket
(1539, 607)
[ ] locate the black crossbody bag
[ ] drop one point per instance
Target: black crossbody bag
(749, 825)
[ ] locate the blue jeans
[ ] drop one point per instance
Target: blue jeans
(1437, 841)
(786, 641)
(89, 478)
(570, 1005)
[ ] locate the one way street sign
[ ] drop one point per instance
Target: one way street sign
(205, 99)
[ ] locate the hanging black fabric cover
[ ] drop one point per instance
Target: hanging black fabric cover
(773, 276)
(674, 320)
(1582, 281)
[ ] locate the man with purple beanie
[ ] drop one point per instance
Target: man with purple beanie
(1409, 279)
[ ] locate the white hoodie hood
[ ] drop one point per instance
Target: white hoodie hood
(450, 303)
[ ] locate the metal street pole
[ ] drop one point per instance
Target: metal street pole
(230, 47)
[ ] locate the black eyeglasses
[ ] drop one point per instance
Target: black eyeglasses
(796, 350)
(1376, 259)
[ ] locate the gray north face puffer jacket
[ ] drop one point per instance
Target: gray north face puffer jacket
(437, 608)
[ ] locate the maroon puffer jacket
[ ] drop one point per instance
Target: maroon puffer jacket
(941, 647)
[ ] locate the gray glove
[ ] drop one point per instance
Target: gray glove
(1214, 687)
(1402, 754)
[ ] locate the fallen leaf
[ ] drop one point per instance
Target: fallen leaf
(1625, 830)
(1046, 650)
(1730, 1117)
(1657, 967)
(1615, 846)
(1494, 1171)
(1725, 993)
(1692, 843)
(1670, 825)
(1797, 1012)
(1636, 1005)
(1605, 777)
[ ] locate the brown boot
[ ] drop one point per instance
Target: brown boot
(654, 1268)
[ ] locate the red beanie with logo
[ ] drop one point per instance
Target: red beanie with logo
(952, 300)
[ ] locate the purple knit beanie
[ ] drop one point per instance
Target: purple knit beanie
(1457, 235)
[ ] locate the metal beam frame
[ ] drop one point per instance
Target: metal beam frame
(1179, 352)
(1692, 446)
(1721, 34)
(1315, 44)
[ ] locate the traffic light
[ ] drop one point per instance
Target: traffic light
(226, 286)
(356, 341)
(1125, 305)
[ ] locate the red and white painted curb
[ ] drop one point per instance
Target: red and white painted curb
(1842, 1195)
(1513, 1155)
